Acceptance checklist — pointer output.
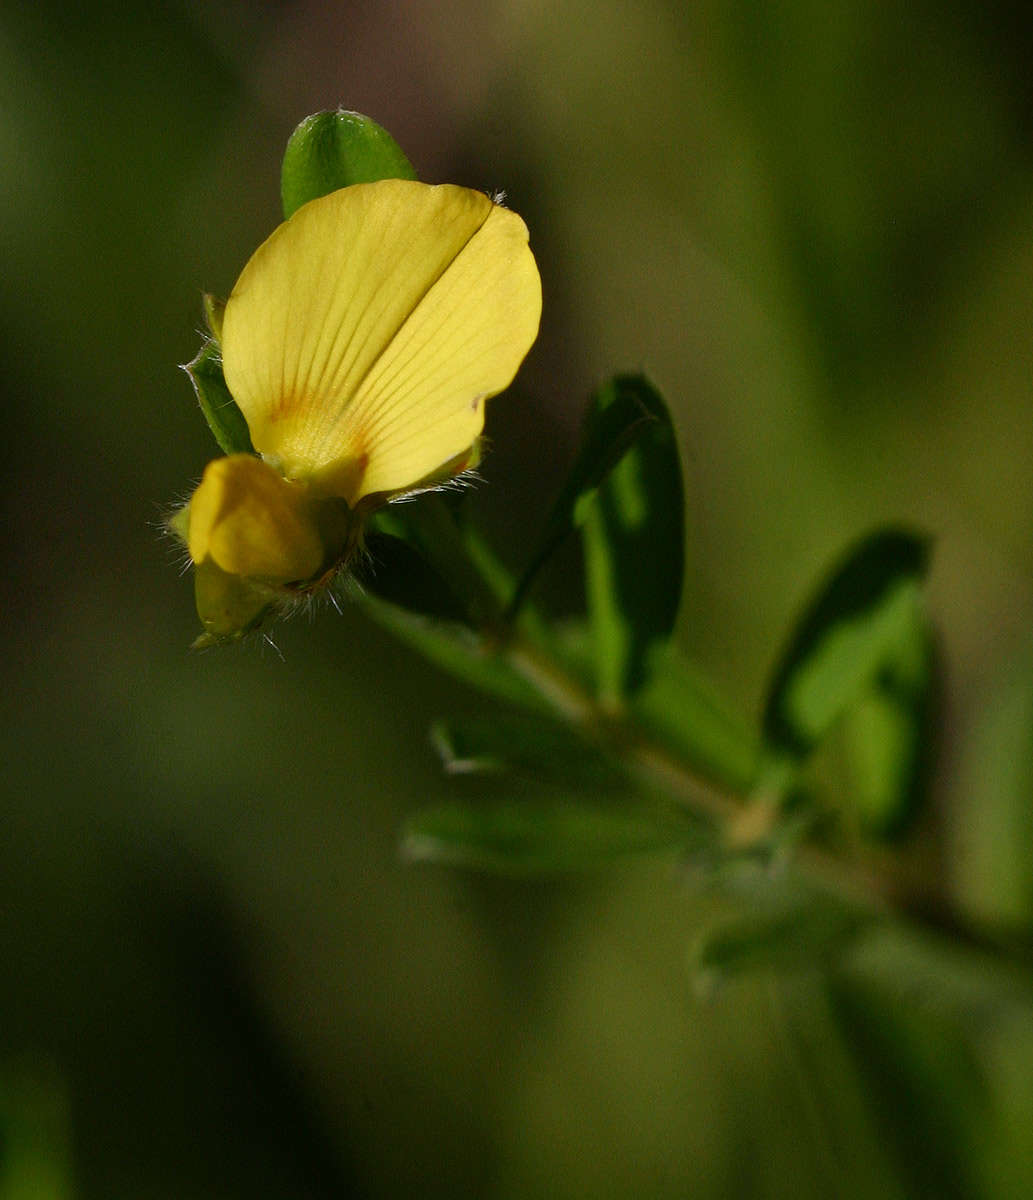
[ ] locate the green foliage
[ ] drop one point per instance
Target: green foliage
(335, 149)
(853, 627)
(521, 744)
(457, 649)
(683, 711)
(885, 733)
(525, 837)
(634, 532)
(778, 934)
(624, 492)
(860, 663)
(857, 666)
(615, 418)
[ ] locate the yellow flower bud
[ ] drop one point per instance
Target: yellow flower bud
(251, 521)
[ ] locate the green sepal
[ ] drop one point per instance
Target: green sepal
(541, 837)
(229, 606)
(855, 628)
(224, 418)
(335, 149)
(178, 524)
(214, 308)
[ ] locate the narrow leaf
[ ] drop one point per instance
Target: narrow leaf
(542, 749)
(681, 709)
(885, 734)
(335, 149)
(224, 418)
(856, 625)
(678, 707)
(782, 937)
(455, 648)
(539, 837)
(609, 431)
(633, 537)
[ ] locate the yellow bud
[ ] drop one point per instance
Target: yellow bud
(250, 521)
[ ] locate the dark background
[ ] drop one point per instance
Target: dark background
(812, 223)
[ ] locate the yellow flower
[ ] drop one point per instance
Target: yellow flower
(360, 343)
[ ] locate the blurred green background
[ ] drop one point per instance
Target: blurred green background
(812, 224)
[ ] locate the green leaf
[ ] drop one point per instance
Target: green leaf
(884, 735)
(394, 570)
(634, 538)
(457, 649)
(542, 749)
(681, 709)
(794, 939)
(861, 620)
(520, 837)
(678, 707)
(335, 149)
(224, 418)
(609, 431)
(780, 924)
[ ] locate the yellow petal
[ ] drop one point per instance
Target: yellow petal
(250, 521)
(365, 334)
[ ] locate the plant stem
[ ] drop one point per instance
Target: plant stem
(742, 821)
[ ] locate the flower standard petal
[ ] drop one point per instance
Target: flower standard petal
(364, 335)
